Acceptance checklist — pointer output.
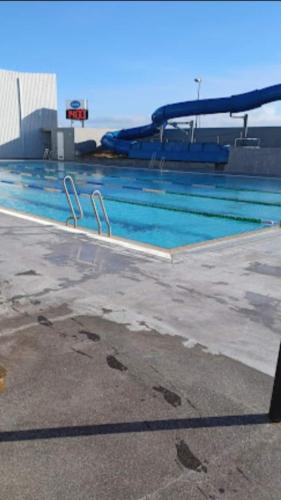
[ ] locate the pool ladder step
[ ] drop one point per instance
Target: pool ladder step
(96, 195)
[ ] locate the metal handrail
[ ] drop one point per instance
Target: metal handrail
(152, 160)
(73, 216)
(162, 162)
(97, 194)
(47, 154)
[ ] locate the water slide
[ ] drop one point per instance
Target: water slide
(121, 141)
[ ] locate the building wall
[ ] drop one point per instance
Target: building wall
(28, 103)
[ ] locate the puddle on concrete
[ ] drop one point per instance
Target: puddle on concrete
(31, 272)
(100, 259)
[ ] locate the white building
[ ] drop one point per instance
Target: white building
(28, 104)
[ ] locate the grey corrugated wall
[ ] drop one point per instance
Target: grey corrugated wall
(28, 104)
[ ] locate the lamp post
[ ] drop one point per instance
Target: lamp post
(198, 81)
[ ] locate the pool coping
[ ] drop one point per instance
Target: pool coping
(141, 247)
(130, 244)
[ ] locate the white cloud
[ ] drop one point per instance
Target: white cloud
(268, 115)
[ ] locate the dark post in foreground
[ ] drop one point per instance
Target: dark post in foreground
(275, 405)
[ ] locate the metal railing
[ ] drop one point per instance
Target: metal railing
(73, 215)
(47, 154)
(97, 194)
(162, 163)
(152, 160)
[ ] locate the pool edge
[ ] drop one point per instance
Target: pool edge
(129, 244)
(141, 247)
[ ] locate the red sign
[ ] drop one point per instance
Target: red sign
(77, 114)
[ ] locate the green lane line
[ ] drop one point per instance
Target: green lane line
(225, 198)
(184, 210)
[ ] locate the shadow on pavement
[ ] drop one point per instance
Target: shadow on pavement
(138, 426)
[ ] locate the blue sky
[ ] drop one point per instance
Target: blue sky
(130, 57)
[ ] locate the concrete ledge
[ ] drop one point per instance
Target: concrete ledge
(251, 161)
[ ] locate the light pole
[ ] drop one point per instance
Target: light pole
(198, 81)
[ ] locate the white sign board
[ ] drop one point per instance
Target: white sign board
(76, 104)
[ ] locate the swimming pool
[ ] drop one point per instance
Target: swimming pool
(166, 209)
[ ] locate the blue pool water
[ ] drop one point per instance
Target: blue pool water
(166, 209)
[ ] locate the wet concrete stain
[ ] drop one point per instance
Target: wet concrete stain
(17, 297)
(31, 272)
(171, 397)
(90, 335)
(158, 318)
(221, 490)
(115, 364)
(82, 353)
(188, 459)
(75, 320)
(208, 266)
(266, 269)
(205, 495)
(106, 311)
(143, 323)
(191, 404)
(242, 473)
(179, 301)
(32, 296)
(44, 321)
(132, 278)
(264, 310)
(3, 373)
(195, 293)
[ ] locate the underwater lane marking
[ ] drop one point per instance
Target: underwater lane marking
(159, 191)
(53, 190)
(132, 187)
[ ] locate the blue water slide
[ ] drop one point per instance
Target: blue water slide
(121, 141)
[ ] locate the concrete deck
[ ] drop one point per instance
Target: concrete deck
(132, 377)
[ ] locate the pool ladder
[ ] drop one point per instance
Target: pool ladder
(153, 160)
(73, 215)
(95, 195)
